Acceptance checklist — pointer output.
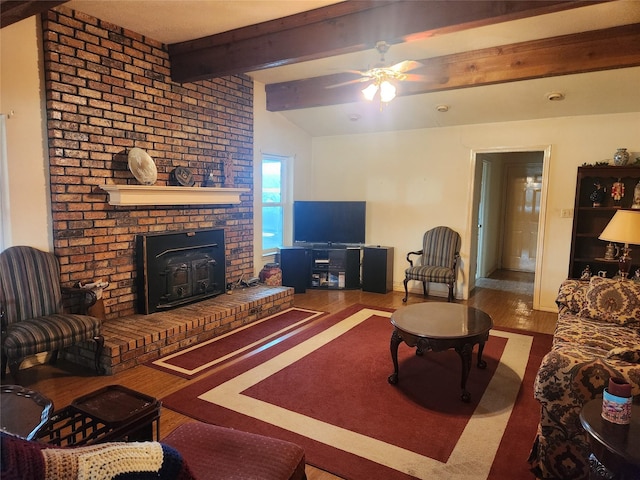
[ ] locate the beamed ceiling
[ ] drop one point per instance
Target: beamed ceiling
(471, 51)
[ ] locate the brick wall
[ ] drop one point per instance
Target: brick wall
(108, 90)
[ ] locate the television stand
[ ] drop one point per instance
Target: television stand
(334, 268)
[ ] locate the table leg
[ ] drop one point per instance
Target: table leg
(465, 356)
(396, 339)
(481, 363)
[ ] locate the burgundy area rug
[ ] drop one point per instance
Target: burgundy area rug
(254, 336)
(326, 389)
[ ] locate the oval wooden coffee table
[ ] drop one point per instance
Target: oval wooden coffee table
(438, 326)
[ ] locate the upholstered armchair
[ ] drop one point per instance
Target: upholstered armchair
(31, 309)
(437, 262)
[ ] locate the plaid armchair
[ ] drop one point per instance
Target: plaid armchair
(31, 310)
(438, 260)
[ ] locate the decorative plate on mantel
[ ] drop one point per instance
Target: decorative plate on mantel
(182, 176)
(142, 166)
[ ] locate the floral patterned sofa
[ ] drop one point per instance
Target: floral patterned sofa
(597, 337)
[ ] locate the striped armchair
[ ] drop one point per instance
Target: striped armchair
(438, 261)
(31, 310)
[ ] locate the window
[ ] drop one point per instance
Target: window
(274, 198)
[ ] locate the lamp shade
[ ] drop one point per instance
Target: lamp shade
(624, 227)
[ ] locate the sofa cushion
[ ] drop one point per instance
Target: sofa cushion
(611, 300)
(572, 295)
(576, 330)
(215, 452)
(631, 355)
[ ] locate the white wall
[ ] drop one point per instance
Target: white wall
(418, 179)
(275, 135)
(22, 101)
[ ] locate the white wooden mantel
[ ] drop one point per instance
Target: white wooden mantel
(169, 195)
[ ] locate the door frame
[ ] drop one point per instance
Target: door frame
(474, 205)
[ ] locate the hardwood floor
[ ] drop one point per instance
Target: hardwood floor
(508, 307)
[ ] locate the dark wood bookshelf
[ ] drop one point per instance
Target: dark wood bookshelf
(589, 221)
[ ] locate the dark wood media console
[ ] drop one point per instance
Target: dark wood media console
(335, 267)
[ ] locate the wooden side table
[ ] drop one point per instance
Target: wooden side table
(24, 411)
(113, 413)
(615, 448)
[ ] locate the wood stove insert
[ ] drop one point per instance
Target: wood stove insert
(179, 268)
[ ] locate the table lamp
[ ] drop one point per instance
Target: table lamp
(624, 227)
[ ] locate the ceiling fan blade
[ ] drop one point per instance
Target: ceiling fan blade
(406, 66)
(357, 72)
(350, 82)
(412, 77)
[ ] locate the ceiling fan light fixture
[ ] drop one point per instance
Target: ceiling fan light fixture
(387, 91)
(370, 91)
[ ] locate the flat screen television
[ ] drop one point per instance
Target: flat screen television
(329, 222)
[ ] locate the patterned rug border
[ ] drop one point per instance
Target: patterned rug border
(165, 364)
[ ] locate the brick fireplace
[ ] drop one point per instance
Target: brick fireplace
(109, 90)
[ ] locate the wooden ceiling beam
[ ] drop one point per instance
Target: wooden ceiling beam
(606, 49)
(14, 11)
(341, 28)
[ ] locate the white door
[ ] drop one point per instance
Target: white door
(522, 210)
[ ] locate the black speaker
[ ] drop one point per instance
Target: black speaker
(294, 263)
(377, 269)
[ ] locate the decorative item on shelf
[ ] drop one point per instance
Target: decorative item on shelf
(621, 157)
(142, 166)
(636, 276)
(586, 273)
(597, 196)
(617, 192)
(228, 170)
(182, 176)
(209, 180)
(611, 252)
(636, 197)
(624, 227)
(616, 402)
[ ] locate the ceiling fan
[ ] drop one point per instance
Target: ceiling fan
(384, 79)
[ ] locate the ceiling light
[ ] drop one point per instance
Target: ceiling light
(555, 97)
(387, 92)
(370, 91)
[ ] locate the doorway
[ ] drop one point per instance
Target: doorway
(508, 202)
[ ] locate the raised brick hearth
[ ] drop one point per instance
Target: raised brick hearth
(137, 339)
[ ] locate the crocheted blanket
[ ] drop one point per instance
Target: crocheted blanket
(26, 460)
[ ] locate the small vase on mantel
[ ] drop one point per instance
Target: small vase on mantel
(621, 157)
